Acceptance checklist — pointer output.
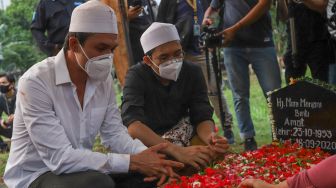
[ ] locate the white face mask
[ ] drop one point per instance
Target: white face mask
(171, 69)
(98, 68)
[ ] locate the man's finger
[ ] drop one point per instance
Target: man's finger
(162, 156)
(158, 147)
(139, 11)
(213, 153)
(201, 162)
(195, 165)
(164, 171)
(162, 180)
(150, 179)
(223, 146)
(171, 172)
(246, 183)
(219, 139)
(219, 150)
(205, 157)
(172, 163)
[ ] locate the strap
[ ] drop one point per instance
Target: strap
(193, 4)
(195, 11)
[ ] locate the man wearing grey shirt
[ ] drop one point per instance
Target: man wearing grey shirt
(62, 104)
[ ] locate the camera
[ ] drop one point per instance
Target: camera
(136, 3)
(209, 39)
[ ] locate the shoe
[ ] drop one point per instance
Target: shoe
(250, 144)
(228, 134)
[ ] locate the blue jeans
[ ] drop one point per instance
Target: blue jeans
(265, 65)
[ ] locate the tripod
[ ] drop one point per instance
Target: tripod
(218, 78)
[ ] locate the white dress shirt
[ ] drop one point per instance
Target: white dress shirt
(52, 132)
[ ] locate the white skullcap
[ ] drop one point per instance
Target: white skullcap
(158, 34)
(93, 17)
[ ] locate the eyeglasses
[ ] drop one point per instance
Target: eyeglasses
(164, 58)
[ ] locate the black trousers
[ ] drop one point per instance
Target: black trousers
(91, 179)
(315, 55)
(6, 132)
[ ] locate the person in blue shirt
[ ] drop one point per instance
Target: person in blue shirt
(248, 40)
(52, 17)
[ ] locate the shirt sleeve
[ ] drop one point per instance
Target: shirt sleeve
(320, 175)
(49, 137)
(200, 108)
(114, 134)
(133, 99)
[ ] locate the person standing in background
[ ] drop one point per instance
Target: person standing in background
(140, 16)
(248, 40)
(7, 106)
(312, 40)
(52, 17)
(331, 15)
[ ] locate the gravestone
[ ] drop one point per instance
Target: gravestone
(306, 113)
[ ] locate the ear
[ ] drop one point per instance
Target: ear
(147, 61)
(73, 44)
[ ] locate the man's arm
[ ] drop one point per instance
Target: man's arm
(254, 15)
(132, 12)
(133, 117)
(146, 135)
(205, 130)
(50, 140)
(195, 156)
(201, 115)
(214, 6)
(316, 5)
(58, 154)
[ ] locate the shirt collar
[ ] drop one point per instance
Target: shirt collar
(61, 69)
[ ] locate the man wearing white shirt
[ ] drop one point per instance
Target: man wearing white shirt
(62, 104)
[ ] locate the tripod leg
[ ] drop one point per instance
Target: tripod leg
(223, 109)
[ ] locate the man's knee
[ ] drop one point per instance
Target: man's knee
(87, 179)
(97, 180)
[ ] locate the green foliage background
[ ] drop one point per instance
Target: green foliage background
(18, 48)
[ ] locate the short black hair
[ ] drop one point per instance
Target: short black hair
(9, 77)
(81, 36)
(150, 53)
